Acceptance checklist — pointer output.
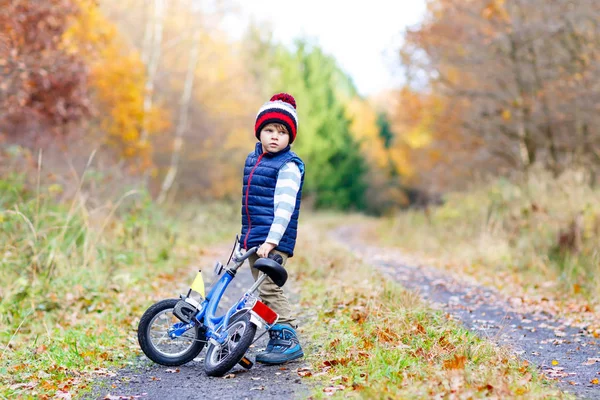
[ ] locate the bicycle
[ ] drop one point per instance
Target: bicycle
(173, 332)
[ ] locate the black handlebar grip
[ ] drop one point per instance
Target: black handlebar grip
(276, 257)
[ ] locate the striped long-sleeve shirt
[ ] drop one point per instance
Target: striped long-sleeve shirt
(286, 191)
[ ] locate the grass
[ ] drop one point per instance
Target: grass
(513, 229)
(75, 279)
(373, 339)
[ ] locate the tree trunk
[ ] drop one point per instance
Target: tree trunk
(153, 36)
(184, 105)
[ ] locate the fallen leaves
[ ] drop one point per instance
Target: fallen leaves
(103, 372)
(419, 356)
(340, 361)
(305, 371)
(526, 378)
(386, 335)
(40, 349)
(27, 385)
(557, 372)
(342, 378)
(63, 395)
(591, 361)
(359, 314)
(330, 390)
(123, 397)
(457, 362)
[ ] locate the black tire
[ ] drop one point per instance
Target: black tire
(151, 345)
(220, 359)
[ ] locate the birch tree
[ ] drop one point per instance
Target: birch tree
(182, 125)
(151, 54)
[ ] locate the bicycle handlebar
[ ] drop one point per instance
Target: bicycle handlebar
(241, 257)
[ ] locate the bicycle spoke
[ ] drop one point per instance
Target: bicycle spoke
(162, 342)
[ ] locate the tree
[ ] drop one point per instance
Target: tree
(117, 83)
(184, 105)
(43, 88)
(522, 75)
(335, 166)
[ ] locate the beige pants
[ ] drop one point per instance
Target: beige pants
(272, 295)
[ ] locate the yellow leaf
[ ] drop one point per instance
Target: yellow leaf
(594, 381)
(554, 362)
(458, 362)
(506, 115)
(520, 391)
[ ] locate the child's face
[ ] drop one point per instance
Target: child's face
(273, 140)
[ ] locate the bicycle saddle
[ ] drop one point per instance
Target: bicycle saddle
(273, 270)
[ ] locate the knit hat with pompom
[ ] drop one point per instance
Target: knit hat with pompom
(281, 109)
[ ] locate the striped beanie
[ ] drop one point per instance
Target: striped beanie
(281, 109)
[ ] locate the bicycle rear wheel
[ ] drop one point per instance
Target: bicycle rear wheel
(154, 339)
(221, 358)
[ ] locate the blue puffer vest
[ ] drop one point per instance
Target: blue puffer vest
(260, 178)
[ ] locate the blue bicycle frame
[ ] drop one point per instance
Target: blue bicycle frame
(216, 326)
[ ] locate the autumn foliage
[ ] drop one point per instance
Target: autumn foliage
(514, 83)
(117, 84)
(169, 95)
(43, 88)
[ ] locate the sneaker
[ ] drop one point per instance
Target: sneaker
(283, 346)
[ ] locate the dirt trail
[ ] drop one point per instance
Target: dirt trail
(147, 380)
(562, 352)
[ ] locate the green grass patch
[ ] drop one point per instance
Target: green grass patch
(75, 279)
(370, 338)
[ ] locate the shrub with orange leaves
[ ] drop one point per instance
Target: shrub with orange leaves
(42, 87)
(117, 79)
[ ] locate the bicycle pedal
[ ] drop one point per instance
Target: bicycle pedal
(246, 363)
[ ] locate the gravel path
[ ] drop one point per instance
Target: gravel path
(562, 352)
(147, 380)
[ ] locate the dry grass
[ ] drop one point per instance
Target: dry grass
(539, 237)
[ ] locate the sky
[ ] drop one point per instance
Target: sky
(362, 35)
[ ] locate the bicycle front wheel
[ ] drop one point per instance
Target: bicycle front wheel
(154, 339)
(221, 358)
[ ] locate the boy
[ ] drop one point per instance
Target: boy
(272, 189)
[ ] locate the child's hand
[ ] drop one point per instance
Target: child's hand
(265, 249)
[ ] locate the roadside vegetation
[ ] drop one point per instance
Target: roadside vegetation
(539, 237)
(76, 278)
(370, 338)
